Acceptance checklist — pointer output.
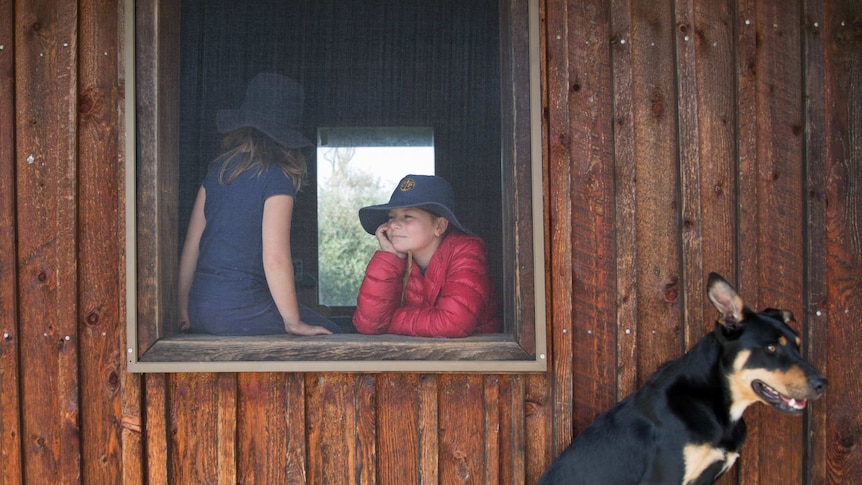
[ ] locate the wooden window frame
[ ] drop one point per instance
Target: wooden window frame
(151, 210)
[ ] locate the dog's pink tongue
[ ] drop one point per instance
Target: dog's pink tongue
(797, 404)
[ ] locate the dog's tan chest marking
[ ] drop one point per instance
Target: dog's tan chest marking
(698, 457)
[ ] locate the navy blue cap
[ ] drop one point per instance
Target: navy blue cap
(428, 192)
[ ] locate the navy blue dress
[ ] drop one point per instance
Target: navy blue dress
(229, 294)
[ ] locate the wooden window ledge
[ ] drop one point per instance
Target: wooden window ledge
(343, 347)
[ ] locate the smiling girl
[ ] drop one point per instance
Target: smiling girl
(430, 276)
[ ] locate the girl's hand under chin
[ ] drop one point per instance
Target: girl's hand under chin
(382, 234)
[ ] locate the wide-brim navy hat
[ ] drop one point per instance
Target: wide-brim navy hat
(273, 105)
(428, 192)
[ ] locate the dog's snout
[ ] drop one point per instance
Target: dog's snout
(818, 384)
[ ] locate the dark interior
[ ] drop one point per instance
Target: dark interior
(362, 63)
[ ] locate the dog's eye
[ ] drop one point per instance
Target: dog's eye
(771, 348)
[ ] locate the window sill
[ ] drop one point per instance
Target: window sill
(346, 352)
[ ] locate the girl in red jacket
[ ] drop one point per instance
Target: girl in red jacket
(430, 276)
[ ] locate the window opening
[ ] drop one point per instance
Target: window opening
(469, 70)
(357, 167)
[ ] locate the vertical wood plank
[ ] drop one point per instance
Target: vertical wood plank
(685, 42)
(193, 401)
(99, 313)
(227, 430)
(816, 337)
(157, 442)
(331, 428)
(296, 429)
(398, 429)
(625, 197)
(429, 435)
(594, 256)
(491, 396)
(713, 180)
(132, 443)
(461, 426)
(514, 445)
(365, 465)
(843, 222)
(45, 105)
(10, 408)
(538, 427)
(262, 423)
(558, 404)
(658, 328)
(746, 145)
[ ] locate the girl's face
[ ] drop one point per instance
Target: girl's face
(416, 230)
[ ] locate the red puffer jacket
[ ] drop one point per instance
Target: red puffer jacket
(454, 298)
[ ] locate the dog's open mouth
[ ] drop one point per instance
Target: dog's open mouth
(777, 400)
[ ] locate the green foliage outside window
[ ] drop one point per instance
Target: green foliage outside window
(344, 248)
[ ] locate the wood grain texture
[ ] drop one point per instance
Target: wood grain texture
(461, 429)
(297, 444)
(227, 429)
(10, 375)
(429, 430)
(658, 330)
(263, 424)
(194, 441)
(512, 432)
(330, 425)
(366, 429)
(842, 31)
(560, 277)
(340, 347)
(593, 219)
(492, 451)
(709, 224)
(816, 335)
(99, 179)
(625, 199)
(46, 173)
(691, 279)
(156, 432)
(399, 436)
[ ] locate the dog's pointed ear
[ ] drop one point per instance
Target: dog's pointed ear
(726, 301)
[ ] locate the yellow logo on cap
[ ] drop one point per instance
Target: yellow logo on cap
(406, 185)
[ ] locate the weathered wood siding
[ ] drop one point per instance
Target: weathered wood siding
(681, 137)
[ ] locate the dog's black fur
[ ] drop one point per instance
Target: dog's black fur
(684, 426)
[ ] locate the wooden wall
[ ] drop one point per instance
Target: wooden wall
(681, 137)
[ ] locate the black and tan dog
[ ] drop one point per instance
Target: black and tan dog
(684, 426)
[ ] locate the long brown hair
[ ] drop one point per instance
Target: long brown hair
(254, 150)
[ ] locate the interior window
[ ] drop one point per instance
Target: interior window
(357, 167)
(391, 87)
